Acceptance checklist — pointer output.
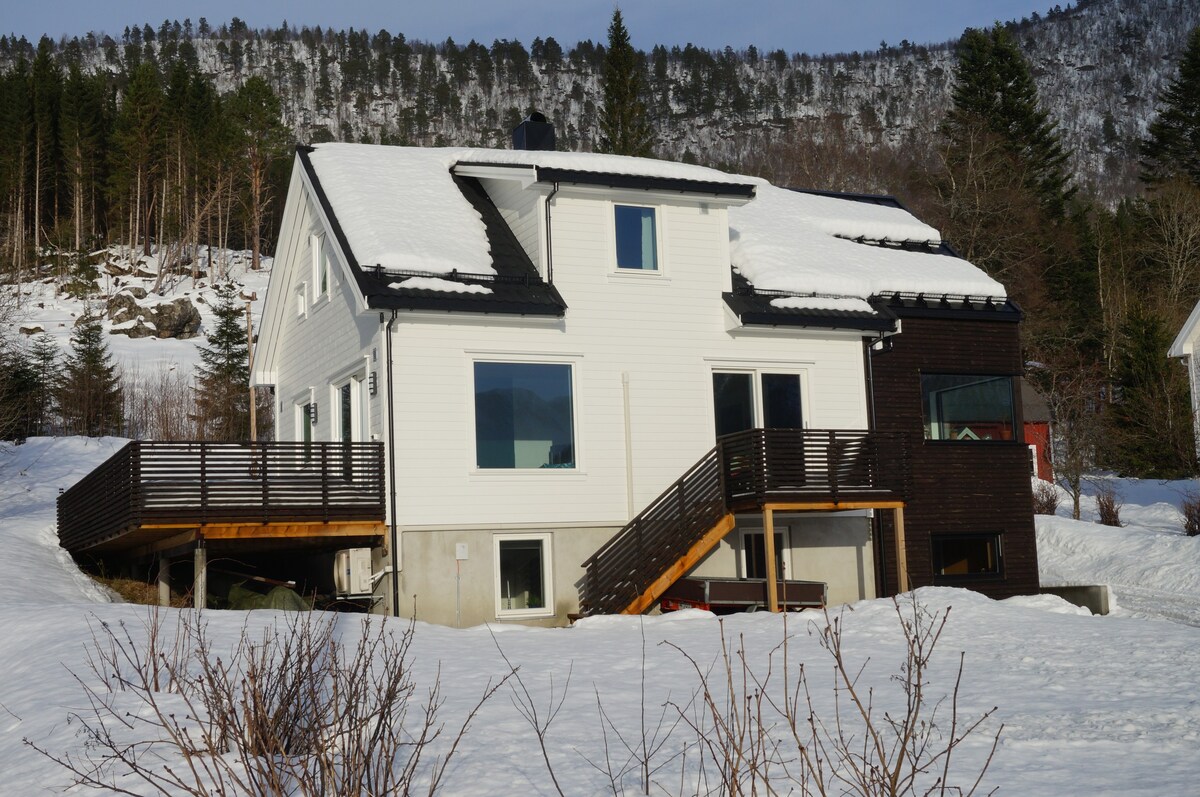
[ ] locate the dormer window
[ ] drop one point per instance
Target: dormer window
(637, 245)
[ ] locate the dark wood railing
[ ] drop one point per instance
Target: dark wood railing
(185, 483)
(742, 472)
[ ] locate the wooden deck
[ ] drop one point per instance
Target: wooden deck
(759, 470)
(154, 496)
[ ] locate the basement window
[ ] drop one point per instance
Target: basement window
(967, 407)
(523, 576)
(637, 241)
(966, 556)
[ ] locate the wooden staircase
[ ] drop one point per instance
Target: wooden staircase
(753, 470)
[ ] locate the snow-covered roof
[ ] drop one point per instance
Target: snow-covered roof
(801, 243)
(400, 208)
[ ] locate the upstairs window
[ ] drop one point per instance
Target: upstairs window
(523, 416)
(637, 241)
(320, 267)
(962, 407)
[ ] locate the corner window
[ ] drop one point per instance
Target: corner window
(961, 407)
(523, 416)
(523, 575)
(967, 556)
(637, 246)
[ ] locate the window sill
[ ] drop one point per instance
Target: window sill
(638, 275)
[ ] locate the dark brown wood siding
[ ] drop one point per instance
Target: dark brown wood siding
(957, 487)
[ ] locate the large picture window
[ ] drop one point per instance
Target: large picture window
(637, 245)
(523, 416)
(967, 556)
(962, 407)
(523, 575)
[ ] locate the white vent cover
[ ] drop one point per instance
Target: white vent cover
(352, 572)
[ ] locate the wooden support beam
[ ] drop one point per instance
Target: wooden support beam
(901, 550)
(164, 581)
(200, 575)
(818, 506)
(293, 530)
(680, 568)
(769, 547)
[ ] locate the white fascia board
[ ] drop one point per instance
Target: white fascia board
(525, 175)
(360, 301)
(1185, 340)
(275, 303)
(639, 196)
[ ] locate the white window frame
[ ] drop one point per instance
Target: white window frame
(547, 609)
(785, 550)
(320, 269)
(660, 253)
(359, 407)
(302, 300)
(570, 361)
(756, 373)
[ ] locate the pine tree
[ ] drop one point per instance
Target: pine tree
(223, 375)
(994, 94)
(43, 359)
(1173, 148)
(88, 393)
(1151, 426)
(16, 392)
(261, 138)
(624, 129)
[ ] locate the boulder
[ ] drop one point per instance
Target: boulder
(31, 329)
(177, 319)
(116, 269)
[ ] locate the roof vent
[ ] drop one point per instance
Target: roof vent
(534, 133)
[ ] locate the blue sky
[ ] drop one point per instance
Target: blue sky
(812, 26)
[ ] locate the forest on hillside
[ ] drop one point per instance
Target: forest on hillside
(1030, 145)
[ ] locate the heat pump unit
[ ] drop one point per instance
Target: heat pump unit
(352, 572)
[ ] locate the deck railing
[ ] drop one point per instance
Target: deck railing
(742, 472)
(186, 483)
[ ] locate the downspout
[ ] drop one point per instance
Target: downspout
(391, 457)
(876, 517)
(549, 238)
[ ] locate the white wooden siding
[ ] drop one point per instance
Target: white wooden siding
(667, 332)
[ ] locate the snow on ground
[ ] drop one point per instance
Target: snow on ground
(1151, 567)
(42, 305)
(1090, 705)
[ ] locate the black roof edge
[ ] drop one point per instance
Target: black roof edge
(925, 305)
(452, 304)
(642, 183)
(303, 152)
(875, 199)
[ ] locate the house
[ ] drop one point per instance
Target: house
(1184, 348)
(550, 345)
(1037, 419)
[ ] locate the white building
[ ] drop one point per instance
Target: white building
(545, 341)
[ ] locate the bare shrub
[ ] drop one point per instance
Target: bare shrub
(159, 404)
(762, 733)
(1045, 498)
(1190, 506)
(1108, 506)
(293, 712)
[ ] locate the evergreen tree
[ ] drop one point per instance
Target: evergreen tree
(1173, 148)
(223, 375)
(994, 94)
(88, 393)
(624, 129)
(16, 393)
(261, 138)
(43, 359)
(1151, 426)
